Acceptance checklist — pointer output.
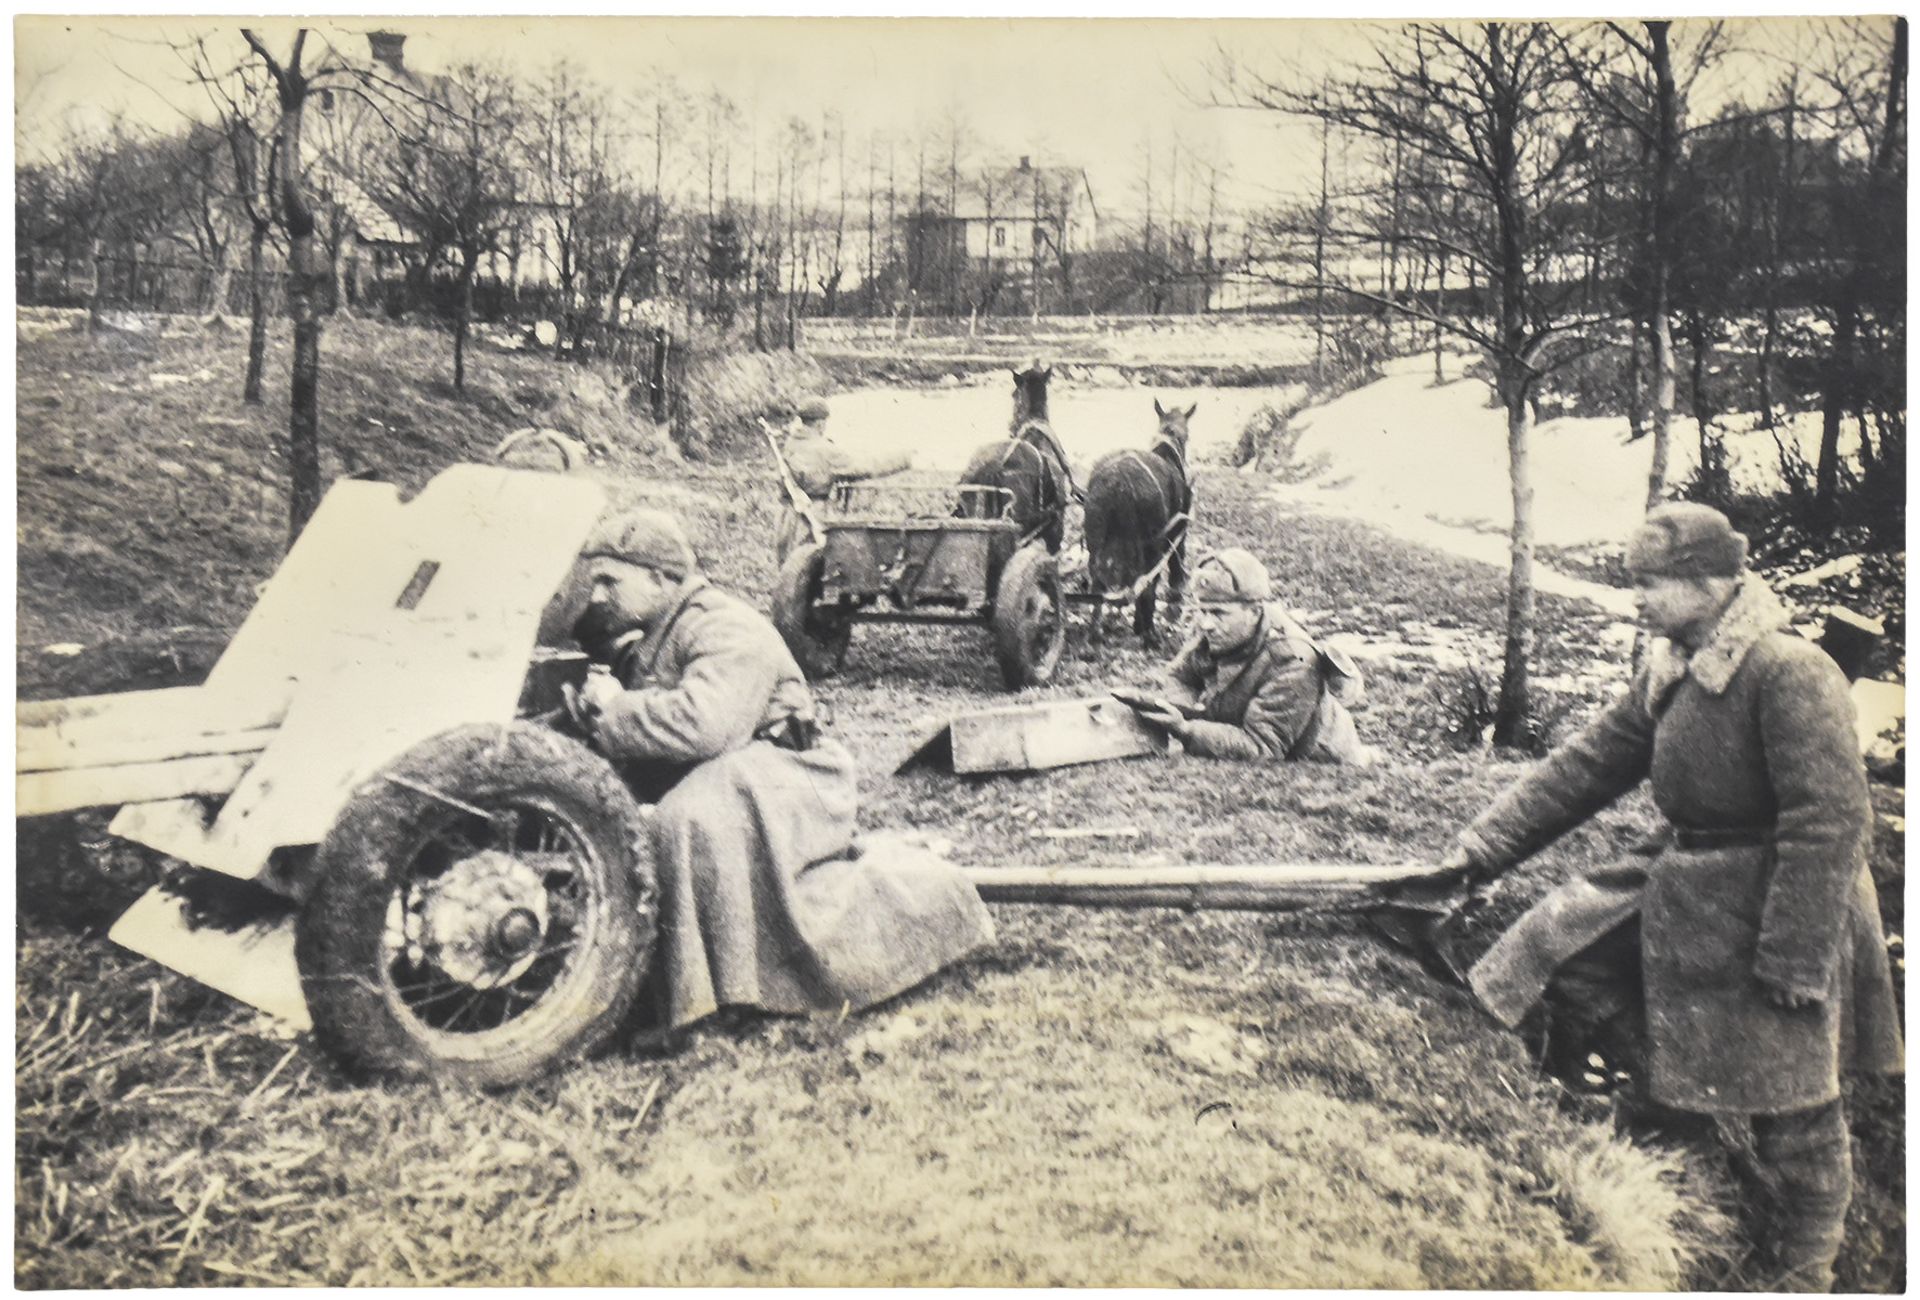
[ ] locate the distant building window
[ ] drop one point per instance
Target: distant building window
(999, 236)
(326, 101)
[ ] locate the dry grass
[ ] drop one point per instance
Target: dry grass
(1115, 1098)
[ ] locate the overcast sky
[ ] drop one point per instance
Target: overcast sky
(1081, 91)
(1064, 90)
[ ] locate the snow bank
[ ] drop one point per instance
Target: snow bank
(1404, 447)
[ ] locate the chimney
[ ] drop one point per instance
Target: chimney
(1026, 162)
(385, 48)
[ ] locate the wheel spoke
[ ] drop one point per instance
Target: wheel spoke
(450, 990)
(466, 1008)
(506, 826)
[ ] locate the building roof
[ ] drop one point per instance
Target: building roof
(373, 222)
(1013, 192)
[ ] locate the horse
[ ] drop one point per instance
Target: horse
(1030, 464)
(1137, 507)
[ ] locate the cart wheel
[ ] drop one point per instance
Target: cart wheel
(1029, 623)
(483, 909)
(818, 638)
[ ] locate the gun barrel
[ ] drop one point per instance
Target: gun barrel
(1269, 887)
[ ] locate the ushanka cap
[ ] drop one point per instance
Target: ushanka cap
(652, 538)
(814, 410)
(1230, 576)
(1685, 539)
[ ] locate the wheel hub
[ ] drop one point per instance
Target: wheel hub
(482, 922)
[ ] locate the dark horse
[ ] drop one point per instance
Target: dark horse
(1029, 463)
(1137, 508)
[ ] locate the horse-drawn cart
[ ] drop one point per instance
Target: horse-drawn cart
(921, 552)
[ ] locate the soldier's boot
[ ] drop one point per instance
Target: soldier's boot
(1808, 1160)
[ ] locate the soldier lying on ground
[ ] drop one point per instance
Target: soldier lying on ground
(1250, 683)
(765, 901)
(817, 461)
(1741, 952)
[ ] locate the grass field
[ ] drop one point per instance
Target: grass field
(1115, 1098)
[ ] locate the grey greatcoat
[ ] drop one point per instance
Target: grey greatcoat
(765, 901)
(1751, 752)
(1274, 697)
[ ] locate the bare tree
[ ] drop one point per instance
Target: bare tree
(292, 84)
(1867, 75)
(450, 177)
(1630, 76)
(245, 107)
(834, 268)
(1494, 141)
(110, 193)
(570, 171)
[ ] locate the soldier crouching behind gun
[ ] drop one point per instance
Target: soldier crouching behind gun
(1250, 684)
(1741, 951)
(765, 901)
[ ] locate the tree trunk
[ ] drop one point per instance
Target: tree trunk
(1763, 378)
(1636, 382)
(1513, 712)
(221, 287)
(1663, 397)
(1834, 404)
(342, 268)
(1666, 146)
(303, 294)
(463, 318)
(305, 280)
(94, 306)
(256, 311)
(1702, 412)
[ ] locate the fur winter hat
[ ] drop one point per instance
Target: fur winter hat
(1685, 539)
(1230, 576)
(814, 410)
(652, 538)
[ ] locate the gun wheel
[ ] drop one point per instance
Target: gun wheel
(483, 909)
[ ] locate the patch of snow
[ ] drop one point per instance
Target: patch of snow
(1879, 707)
(1832, 569)
(942, 427)
(63, 649)
(1403, 453)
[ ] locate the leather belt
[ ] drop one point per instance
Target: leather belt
(1722, 837)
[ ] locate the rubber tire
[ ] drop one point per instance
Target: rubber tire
(340, 932)
(818, 642)
(1030, 576)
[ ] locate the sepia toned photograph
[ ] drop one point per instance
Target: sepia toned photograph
(1071, 652)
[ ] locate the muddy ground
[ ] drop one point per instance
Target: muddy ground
(1113, 1098)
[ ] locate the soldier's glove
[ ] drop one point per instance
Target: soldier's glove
(584, 703)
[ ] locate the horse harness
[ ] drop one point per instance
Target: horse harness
(1041, 429)
(1168, 449)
